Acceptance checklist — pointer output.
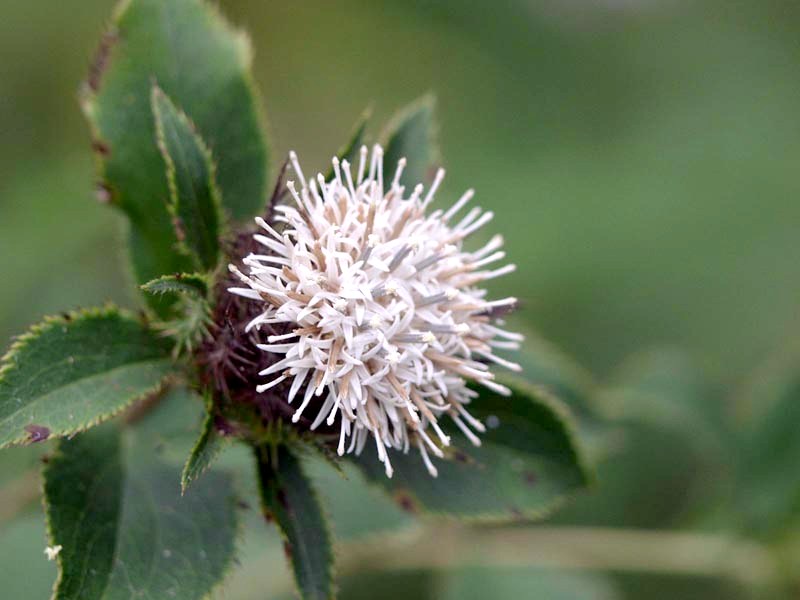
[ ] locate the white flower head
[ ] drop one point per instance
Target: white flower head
(53, 551)
(387, 322)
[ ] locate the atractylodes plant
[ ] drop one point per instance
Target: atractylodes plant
(341, 315)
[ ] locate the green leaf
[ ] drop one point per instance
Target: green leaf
(207, 447)
(204, 66)
(545, 365)
(357, 509)
(411, 134)
(72, 372)
(288, 498)
(527, 465)
(83, 489)
(663, 386)
(349, 151)
(193, 284)
(194, 199)
(657, 400)
(768, 480)
(548, 367)
(641, 484)
(125, 530)
(169, 427)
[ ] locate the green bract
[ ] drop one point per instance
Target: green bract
(208, 445)
(192, 284)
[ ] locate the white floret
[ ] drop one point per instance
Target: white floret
(389, 322)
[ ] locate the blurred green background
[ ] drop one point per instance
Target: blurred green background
(641, 157)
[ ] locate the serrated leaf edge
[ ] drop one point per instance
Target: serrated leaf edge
(87, 98)
(151, 286)
(174, 200)
(246, 53)
(298, 450)
(207, 434)
(51, 321)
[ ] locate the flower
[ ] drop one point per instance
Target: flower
(53, 551)
(386, 322)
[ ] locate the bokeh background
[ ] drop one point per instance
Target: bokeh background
(641, 157)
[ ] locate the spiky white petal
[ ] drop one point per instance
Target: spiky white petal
(385, 307)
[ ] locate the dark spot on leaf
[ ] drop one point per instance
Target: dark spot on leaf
(100, 61)
(243, 505)
(101, 148)
(284, 502)
(45, 459)
(459, 456)
(530, 477)
(268, 516)
(287, 550)
(37, 433)
(66, 316)
(405, 501)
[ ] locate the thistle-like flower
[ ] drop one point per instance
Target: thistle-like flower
(386, 323)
